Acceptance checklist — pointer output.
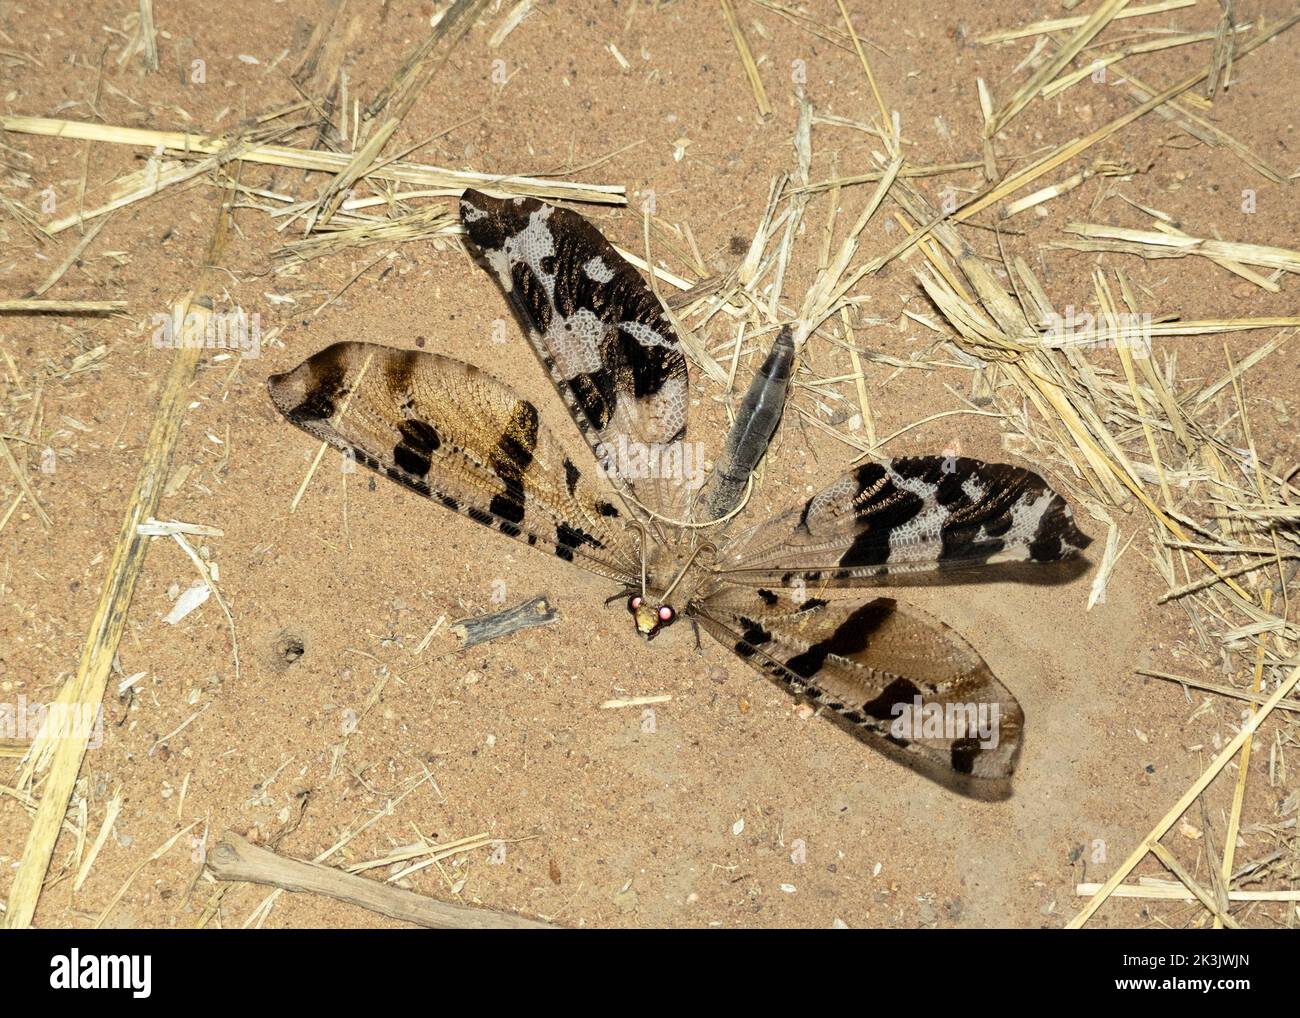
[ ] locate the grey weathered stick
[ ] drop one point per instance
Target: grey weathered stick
(234, 858)
(530, 614)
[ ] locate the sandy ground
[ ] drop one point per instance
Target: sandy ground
(736, 810)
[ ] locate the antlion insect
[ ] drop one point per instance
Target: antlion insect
(453, 433)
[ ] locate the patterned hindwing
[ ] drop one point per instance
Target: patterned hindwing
(908, 515)
(893, 674)
(610, 350)
(453, 433)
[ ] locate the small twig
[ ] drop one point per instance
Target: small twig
(635, 701)
(529, 615)
(234, 858)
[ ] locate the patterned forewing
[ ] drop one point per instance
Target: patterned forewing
(908, 515)
(453, 433)
(893, 674)
(599, 330)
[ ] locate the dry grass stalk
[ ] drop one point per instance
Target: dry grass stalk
(746, 59)
(890, 137)
(802, 19)
(61, 307)
(1221, 58)
(988, 132)
(871, 176)
(1164, 890)
(317, 68)
(502, 185)
(61, 757)
(1243, 772)
(635, 701)
(1188, 797)
(1086, 32)
(1125, 433)
(154, 177)
(820, 301)
(859, 380)
(1070, 149)
(148, 37)
(422, 63)
(25, 485)
(1099, 64)
(1221, 917)
(153, 856)
(435, 223)
(429, 851)
(798, 204)
(1168, 243)
(511, 21)
(1198, 127)
(397, 99)
(1065, 186)
(110, 817)
(1057, 24)
(71, 259)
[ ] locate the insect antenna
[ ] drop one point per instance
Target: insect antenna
(641, 531)
(673, 586)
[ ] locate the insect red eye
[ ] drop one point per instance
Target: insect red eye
(633, 603)
(665, 613)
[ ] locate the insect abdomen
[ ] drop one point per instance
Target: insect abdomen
(756, 421)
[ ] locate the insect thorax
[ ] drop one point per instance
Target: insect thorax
(676, 576)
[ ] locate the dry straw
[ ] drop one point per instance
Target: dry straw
(60, 758)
